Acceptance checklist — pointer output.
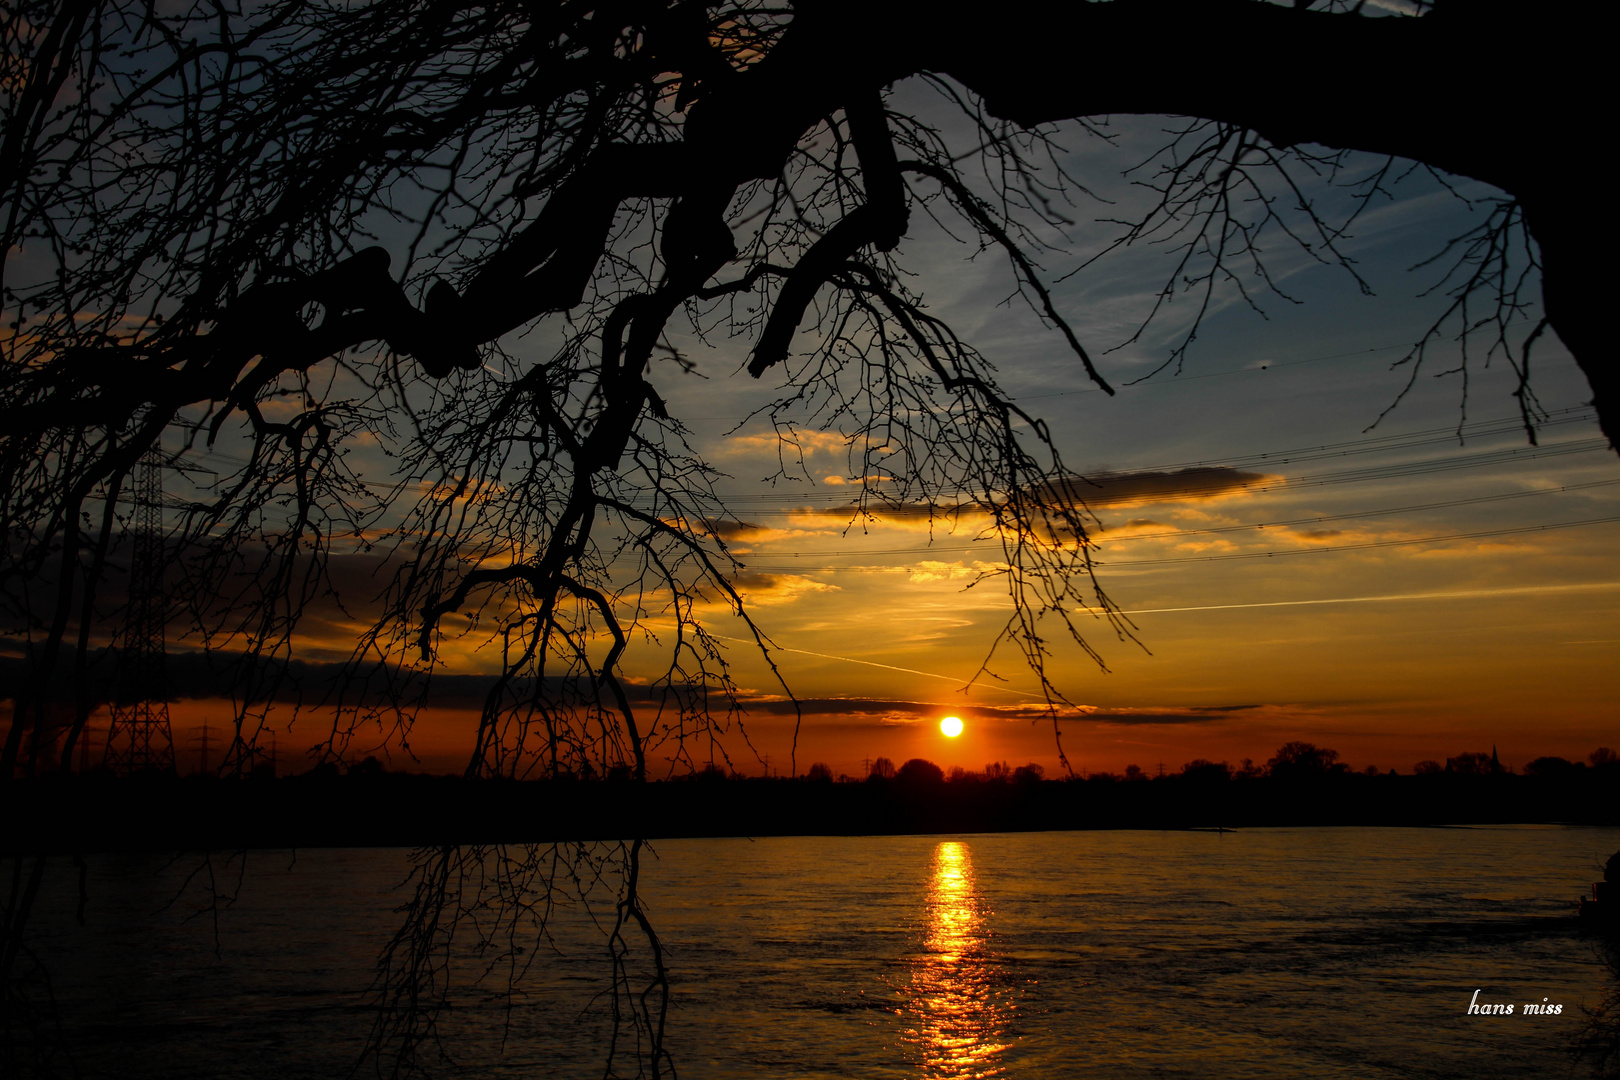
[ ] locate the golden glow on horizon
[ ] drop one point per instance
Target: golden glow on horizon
(951, 726)
(1469, 636)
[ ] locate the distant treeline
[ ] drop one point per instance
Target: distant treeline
(1293, 759)
(368, 806)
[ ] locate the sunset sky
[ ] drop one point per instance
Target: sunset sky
(1396, 592)
(1360, 631)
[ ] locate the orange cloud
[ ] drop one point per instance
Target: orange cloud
(802, 444)
(761, 589)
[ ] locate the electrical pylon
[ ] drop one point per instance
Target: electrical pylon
(139, 738)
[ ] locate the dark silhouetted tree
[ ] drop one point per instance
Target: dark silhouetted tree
(459, 244)
(1031, 773)
(920, 772)
(293, 230)
(1297, 760)
(1597, 1044)
(1469, 765)
(1201, 769)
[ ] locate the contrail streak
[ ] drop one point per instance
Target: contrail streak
(886, 667)
(1464, 594)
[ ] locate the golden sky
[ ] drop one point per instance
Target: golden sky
(1439, 608)
(1295, 567)
(1399, 595)
(1428, 586)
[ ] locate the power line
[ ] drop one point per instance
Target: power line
(1457, 594)
(787, 503)
(1407, 542)
(1219, 529)
(1405, 440)
(1383, 512)
(1408, 441)
(1462, 594)
(1173, 380)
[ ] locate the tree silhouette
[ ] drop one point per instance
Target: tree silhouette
(314, 235)
(920, 772)
(1303, 760)
(297, 230)
(1202, 770)
(1470, 764)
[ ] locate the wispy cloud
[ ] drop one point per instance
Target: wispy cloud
(763, 589)
(800, 444)
(1458, 594)
(1096, 490)
(906, 711)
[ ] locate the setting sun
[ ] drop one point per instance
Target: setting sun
(951, 726)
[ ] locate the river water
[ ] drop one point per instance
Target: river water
(1337, 952)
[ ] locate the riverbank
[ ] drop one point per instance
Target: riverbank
(100, 813)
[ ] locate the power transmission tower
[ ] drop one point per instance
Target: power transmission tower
(139, 738)
(205, 732)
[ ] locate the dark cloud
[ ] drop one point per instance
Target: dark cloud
(1192, 714)
(203, 676)
(919, 512)
(1201, 482)
(841, 705)
(1147, 717)
(1031, 711)
(727, 529)
(349, 592)
(312, 683)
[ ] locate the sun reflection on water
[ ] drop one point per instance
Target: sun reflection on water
(955, 1015)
